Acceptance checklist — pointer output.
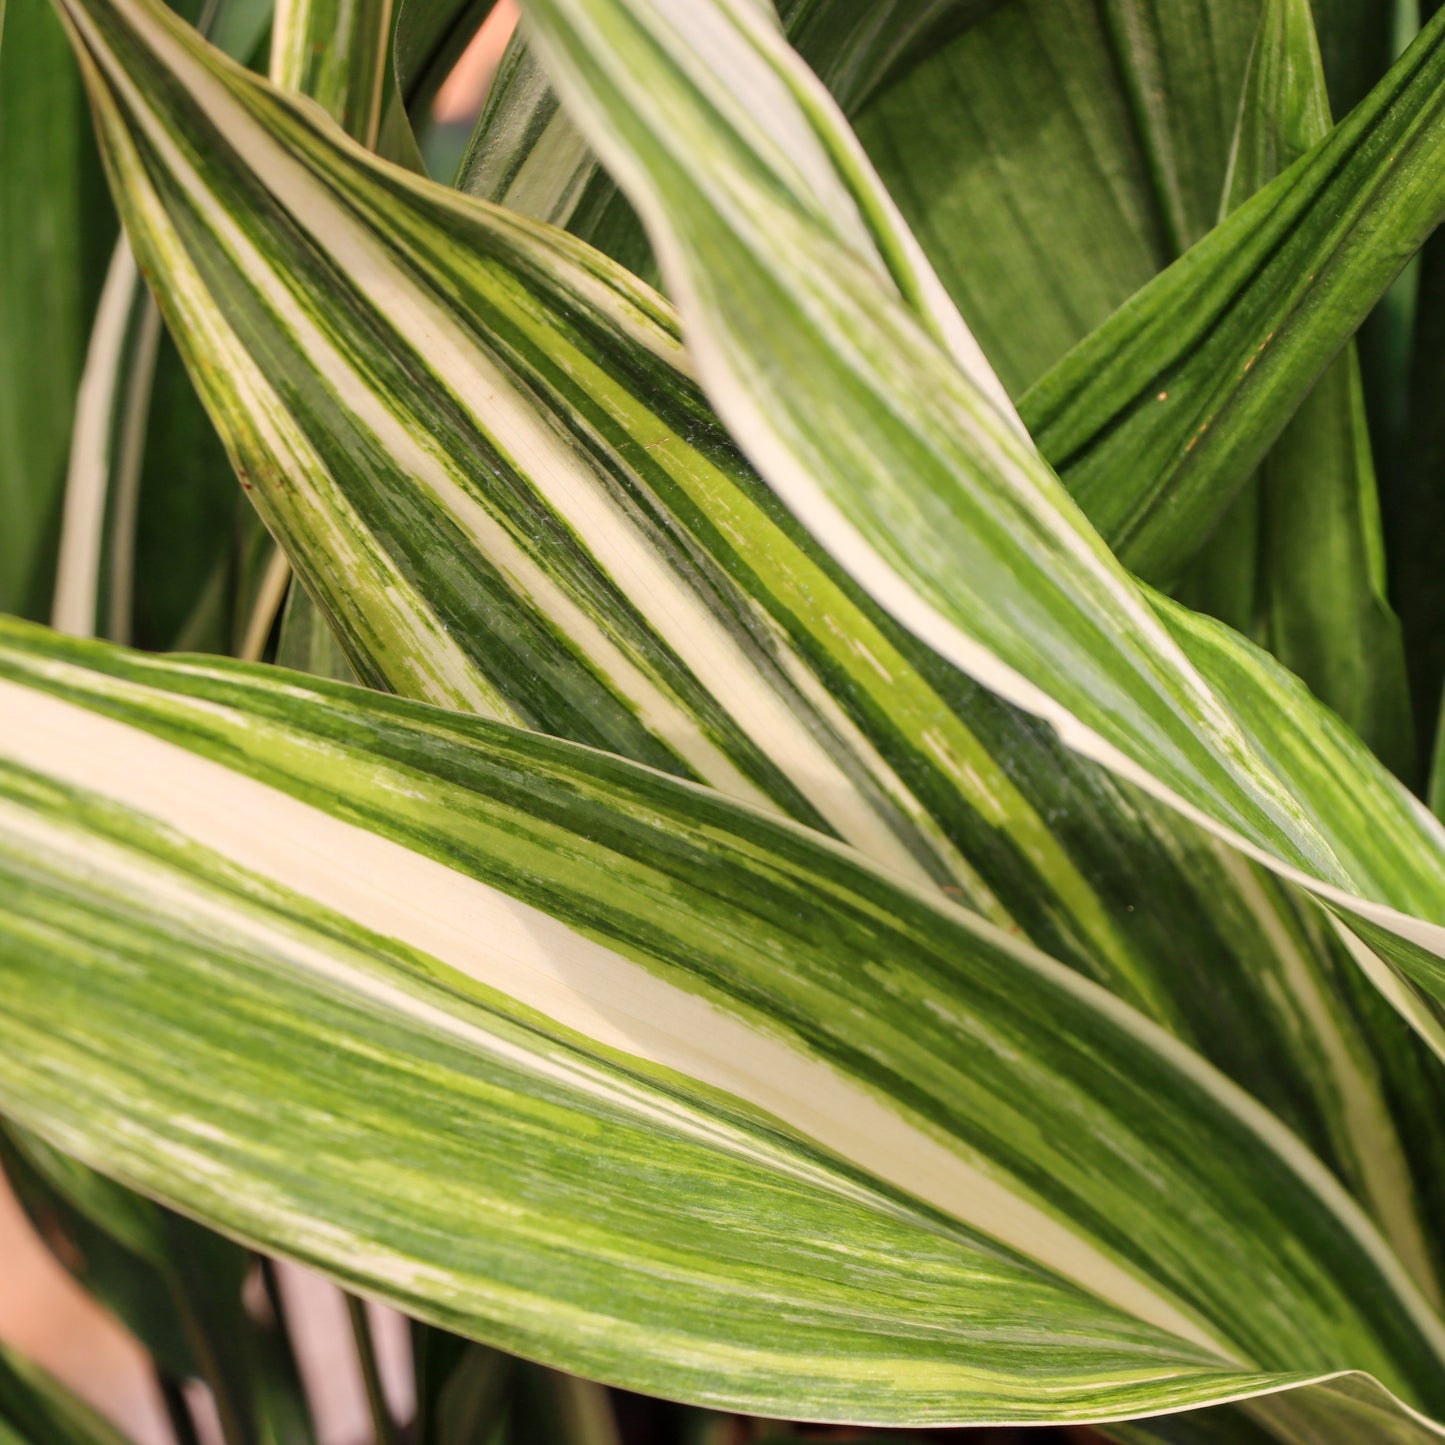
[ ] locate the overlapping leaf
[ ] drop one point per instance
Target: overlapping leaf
(1160, 415)
(545, 521)
(148, 536)
(605, 1068)
(902, 465)
(1298, 562)
(1060, 154)
(528, 155)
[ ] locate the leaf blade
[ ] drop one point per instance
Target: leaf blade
(769, 649)
(928, 496)
(492, 801)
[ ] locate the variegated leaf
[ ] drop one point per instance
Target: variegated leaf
(657, 601)
(604, 1068)
(823, 359)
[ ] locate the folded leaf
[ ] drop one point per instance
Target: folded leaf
(1158, 417)
(1298, 562)
(610, 1071)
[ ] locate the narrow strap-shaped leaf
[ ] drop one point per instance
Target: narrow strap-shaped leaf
(470, 958)
(523, 621)
(106, 450)
(908, 474)
(1158, 417)
(1057, 156)
(1150, 346)
(344, 60)
(144, 464)
(789, 648)
(1298, 563)
(306, 642)
(356, 61)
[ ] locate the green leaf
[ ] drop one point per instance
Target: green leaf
(1058, 155)
(696, 628)
(1014, 156)
(1298, 563)
(337, 53)
(857, 52)
(175, 1285)
(342, 57)
(95, 569)
(528, 155)
(1158, 417)
(56, 229)
(903, 465)
(190, 520)
(1182, 69)
(429, 37)
(1343, 1409)
(37, 1410)
(146, 476)
(306, 643)
(611, 1071)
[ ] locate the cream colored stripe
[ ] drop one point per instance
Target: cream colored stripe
(440, 671)
(87, 480)
(563, 478)
(1370, 1129)
(815, 509)
(545, 965)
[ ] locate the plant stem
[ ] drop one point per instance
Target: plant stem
(178, 1412)
(383, 1427)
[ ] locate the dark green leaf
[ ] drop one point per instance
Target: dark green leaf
(1158, 418)
(56, 228)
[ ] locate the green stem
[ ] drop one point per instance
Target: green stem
(383, 1427)
(178, 1412)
